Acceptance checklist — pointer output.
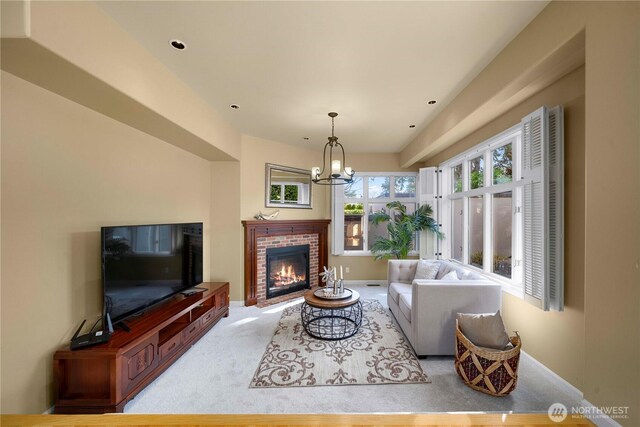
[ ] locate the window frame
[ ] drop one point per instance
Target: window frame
(485, 149)
(283, 186)
(338, 226)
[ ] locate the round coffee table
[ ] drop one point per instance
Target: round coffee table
(329, 319)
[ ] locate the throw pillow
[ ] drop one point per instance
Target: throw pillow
(426, 270)
(452, 275)
(484, 330)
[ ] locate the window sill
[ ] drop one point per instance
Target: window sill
(353, 253)
(507, 285)
(370, 254)
(512, 290)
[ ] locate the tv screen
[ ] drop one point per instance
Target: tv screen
(144, 264)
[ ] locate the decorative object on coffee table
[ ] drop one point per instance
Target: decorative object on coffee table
(331, 319)
(490, 371)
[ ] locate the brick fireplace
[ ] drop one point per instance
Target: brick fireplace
(282, 239)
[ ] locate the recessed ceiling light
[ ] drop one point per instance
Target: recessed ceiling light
(431, 102)
(412, 126)
(177, 44)
(235, 106)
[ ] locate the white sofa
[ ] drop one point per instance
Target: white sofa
(426, 309)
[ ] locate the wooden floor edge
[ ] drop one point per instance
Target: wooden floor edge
(457, 419)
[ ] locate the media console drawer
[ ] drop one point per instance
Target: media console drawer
(170, 346)
(191, 330)
(208, 317)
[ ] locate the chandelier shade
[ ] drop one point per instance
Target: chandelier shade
(334, 171)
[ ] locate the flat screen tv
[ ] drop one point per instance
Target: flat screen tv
(145, 264)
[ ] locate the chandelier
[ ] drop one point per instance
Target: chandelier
(339, 173)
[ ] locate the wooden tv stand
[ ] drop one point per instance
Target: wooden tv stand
(104, 378)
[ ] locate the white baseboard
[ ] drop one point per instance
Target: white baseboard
(593, 413)
(555, 378)
(365, 282)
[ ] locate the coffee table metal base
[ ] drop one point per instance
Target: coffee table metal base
(331, 323)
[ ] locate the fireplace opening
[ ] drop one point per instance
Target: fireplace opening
(287, 270)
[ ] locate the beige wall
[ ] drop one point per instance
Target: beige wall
(256, 152)
(611, 30)
(66, 171)
(76, 50)
(544, 334)
(226, 231)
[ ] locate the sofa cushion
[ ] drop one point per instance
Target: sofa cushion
(396, 289)
(402, 271)
(445, 267)
(484, 329)
(405, 306)
(452, 275)
(427, 269)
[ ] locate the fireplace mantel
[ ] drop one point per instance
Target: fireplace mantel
(253, 230)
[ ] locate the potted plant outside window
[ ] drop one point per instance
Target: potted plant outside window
(402, 228)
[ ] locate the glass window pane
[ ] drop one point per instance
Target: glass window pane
(354, 189)
(476, 173)
(276, 193)
(502, 164)
(411, 208)
(353, 226)
(379, 230)
(476, 236)
(405, 186)
(457, 221)
(290, 193)
(502, 220)
(379, 187)
(457, 178)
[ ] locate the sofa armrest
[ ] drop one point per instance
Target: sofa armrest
(434, 305)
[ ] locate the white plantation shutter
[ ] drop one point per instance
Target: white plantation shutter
(556, 208)
(542, 197)
(428, 194)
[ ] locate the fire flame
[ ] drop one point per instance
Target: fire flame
(286, 276)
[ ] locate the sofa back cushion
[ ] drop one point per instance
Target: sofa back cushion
(402, 271)
(463, 273)
(427, 269)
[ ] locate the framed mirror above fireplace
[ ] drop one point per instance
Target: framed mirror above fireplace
(287, 187)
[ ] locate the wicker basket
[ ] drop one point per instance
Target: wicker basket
(491, 372)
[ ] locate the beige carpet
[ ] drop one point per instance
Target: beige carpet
(377, 354)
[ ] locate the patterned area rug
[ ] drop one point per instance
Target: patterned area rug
(377, 354)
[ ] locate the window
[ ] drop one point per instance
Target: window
(353, 204)
(502, 208)
(476, 230)
(285, 193)
(502, 224)
(479, 191)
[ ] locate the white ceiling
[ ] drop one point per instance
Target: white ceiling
(287, 64)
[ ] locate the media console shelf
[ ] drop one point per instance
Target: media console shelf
(104, 378)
